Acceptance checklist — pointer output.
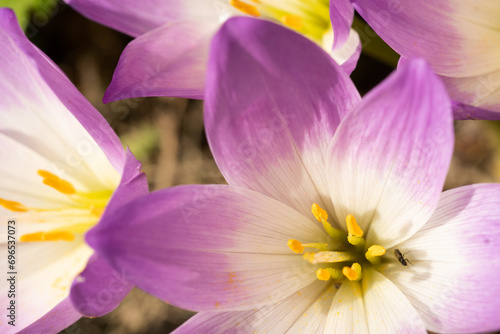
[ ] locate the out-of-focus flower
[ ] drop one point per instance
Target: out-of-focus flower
(169, 55)
(459, 38)
(384, 250)
(62, 169)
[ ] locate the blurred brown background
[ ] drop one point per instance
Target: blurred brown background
(167, 135)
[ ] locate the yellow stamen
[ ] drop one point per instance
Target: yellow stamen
(355, 233)
(327, 273)
(57, 183)
(298, 247)
(317, 245)
(322, 274)
(353, 227)
(38, 236)
(322, 217)
(12, 206)
(49, 236)
(295, 246)
(353, 273)
(319, 213)
(332, 257)
(63, 235)
(293, 21)
(375, 250)
(245, 8)
(374, 253)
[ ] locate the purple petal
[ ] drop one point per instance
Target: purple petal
(304, 311)
(208, 247)
(99, 289)
(464, 111)
(341, 15)
(60, 317)
(168, 61)
(457, 37)
(479, 96)
(138, 17)
(353, 48)
(32, 67)
(471, 95)
(270, 112)
(389, 158)
(454, 280)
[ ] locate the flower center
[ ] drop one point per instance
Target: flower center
(345, 253)
(308, 17)
(62, 223)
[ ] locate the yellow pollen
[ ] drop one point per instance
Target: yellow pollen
(374, 253)
(12, 206)
(319, 213)
(245, 8)
(353, 273)
(293, 21)
(295, 246)
(57, 183)
(375, 250)
(48, 236)
(353, 227)
(322, 274)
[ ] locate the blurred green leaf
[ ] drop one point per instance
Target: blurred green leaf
(25, 8)
(142, 141)
(373, 45)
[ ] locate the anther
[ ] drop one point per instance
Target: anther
(245, 8)
(47, 236)
(322, 217)
(353, 227)
(353, 273)
(12, 205)
(324, 274)
(293, 21)
(374, 253)
(298, 247)
(355, 233)
(295, 246)
(56, 182)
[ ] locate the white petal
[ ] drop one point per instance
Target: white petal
(45, 272)
(387, 308)
(347, 312)
(304, 311)
(453, 281)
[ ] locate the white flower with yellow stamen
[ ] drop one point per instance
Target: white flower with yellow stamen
(289, 130)
(62, 168)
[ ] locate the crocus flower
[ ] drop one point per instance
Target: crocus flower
(459, 38)
(169, 55)
(353, 185)
(63, 168)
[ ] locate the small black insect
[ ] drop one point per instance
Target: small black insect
(401, 258)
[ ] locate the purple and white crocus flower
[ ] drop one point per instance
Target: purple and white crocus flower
(63, 168)
(169, 55)
(459, 38)
(353, 184)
